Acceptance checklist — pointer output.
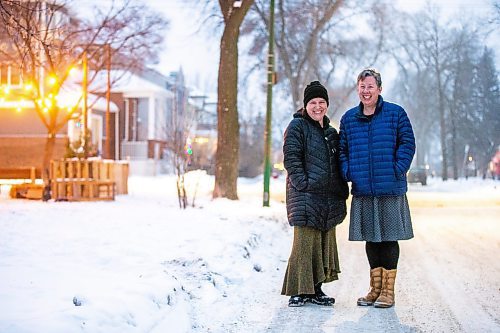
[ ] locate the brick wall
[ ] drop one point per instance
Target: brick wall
(26, 152)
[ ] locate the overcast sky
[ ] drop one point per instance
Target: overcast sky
(197, 52)
(186, 46)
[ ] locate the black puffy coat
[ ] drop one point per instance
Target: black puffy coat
(315, 191)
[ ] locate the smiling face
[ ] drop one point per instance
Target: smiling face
(316, 109)
(368, 92)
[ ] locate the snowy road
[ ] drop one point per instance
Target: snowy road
(448, 278)
(141, 265)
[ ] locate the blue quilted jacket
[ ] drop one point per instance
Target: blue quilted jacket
(375, 154)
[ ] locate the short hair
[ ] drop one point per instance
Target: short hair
(370, 72)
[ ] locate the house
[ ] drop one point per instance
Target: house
(31, 96)
(150, 104)
(127, 118)
(22, 133)
(142, 107)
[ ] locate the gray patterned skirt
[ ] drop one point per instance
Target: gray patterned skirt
(380, 219)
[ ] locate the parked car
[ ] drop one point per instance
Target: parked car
(417, 175)
(494, 166)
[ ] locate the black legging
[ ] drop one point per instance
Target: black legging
(383, 254)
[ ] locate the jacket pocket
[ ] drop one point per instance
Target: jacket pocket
(399, 175)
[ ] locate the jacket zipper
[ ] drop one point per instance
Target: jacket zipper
(370, 160)
(329, 158)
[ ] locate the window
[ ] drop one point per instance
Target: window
(4, 74)
(10, 75)
(142, 119)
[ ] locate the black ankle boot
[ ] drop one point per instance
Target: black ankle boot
(296, 301)
(321, 298)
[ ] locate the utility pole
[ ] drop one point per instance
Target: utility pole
(270, 82)
(85, 106)
(107, 150)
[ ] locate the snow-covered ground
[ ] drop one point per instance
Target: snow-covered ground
(140, 264)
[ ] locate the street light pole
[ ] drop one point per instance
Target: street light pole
(107, 153)
(270, 82)
(85, 106)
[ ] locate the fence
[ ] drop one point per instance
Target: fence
(87, 179)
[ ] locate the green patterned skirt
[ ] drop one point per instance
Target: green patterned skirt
(314, 259)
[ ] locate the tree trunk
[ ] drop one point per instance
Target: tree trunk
(444, 151)
(454, 157)
(47, 156)
(442, 122)
(226, 170)
(227, 154)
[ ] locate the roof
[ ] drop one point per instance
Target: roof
(94, 102)
(131, 85)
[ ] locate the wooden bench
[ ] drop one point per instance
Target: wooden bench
(27, 188)
(82, 189)
(81, 180)
(19, 173)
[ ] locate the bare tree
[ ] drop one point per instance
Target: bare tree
(423, 42)
(443, 82)
(251, 148)
(486, 100)
(414, 85)
(460, 101)
(178, 147)
(318, 39)
(46, 40)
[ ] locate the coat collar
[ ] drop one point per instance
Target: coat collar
(360, 113)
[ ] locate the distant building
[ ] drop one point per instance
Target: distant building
(204, 133)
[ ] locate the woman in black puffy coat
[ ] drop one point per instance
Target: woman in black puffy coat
(315, 199)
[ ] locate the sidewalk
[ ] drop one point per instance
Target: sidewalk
(447, 282)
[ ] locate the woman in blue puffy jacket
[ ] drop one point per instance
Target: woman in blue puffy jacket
(376, 149)
(315, 199)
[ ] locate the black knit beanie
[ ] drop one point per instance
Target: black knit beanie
(313, 90)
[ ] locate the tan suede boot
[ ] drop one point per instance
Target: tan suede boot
(386, 298)
(375, 287)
